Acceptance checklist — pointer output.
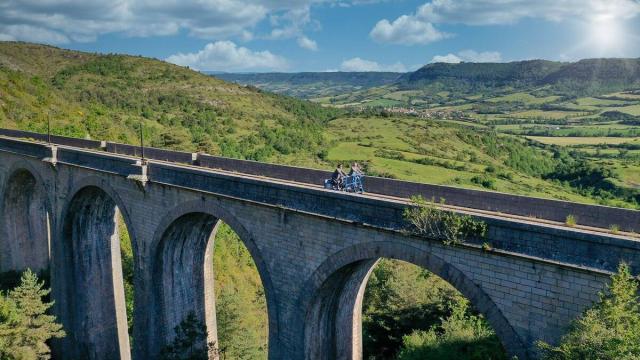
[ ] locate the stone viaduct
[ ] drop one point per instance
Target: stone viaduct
(314, 248)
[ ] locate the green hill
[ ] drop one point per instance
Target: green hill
(427, 84)
(610, 74)
(519, 73)
(108, 96)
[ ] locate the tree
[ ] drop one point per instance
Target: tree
(24, 325)
(190, 342)
(401, 298)
(460, 336)
(610, 330)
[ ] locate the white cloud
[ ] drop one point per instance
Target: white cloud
(406, 30)
(418, 28)
(488, 12)
(81, 20)
(469, 56)
(307, 43)
(227, 56)
(485, 56)
(60, 21)
(291, 24)
(358, 64)
(449, 58)
(32, 33)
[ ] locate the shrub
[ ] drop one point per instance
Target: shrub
(485, 182)
(609, 330)
(571, 221)
(461, 336)
(450, 228)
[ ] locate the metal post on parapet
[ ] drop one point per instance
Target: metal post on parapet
(141, 177)
(49, 128)
(141, 143)
(52, 157)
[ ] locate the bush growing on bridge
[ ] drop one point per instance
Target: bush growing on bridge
(425, 219)
(610, 330)
(24, 325)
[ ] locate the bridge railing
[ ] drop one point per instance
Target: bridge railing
(555, 210)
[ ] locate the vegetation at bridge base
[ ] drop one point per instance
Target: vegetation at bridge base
(460, 336)
(190, 342)
(126, 256)
(610, 330)
(425, 219)
(241, 306)
(25, 326)
(405, 307)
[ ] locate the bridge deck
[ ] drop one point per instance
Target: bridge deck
(367, 195)
(458, 209)
(394, 199)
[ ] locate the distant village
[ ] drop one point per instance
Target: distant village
(429, 114)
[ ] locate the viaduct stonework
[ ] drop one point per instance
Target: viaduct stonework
(314, 248)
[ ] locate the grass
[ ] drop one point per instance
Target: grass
(631, 110)
(567, 140)
(614, 229)
(525, 98)
(545, 114)
(630, 175)
(589, 101)
(359, 138)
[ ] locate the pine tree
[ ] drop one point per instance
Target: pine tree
(24, 325)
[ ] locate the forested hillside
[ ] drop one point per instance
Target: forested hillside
(609, 73)
(109, 96)
(584, 77)
(519, 73)
(406, 309)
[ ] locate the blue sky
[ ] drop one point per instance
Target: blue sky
(330, 35)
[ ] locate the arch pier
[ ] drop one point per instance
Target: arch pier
(24, 227)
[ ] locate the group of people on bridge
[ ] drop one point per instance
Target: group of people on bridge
(342, 182)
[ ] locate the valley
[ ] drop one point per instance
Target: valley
(589, 108)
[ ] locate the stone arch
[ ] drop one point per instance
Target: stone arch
(185, 238)
(333, 299)
(26, 223)
(89, 278)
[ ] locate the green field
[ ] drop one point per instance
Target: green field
(566, 140)
(524, 97)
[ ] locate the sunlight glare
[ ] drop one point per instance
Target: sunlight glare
(606, 33)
